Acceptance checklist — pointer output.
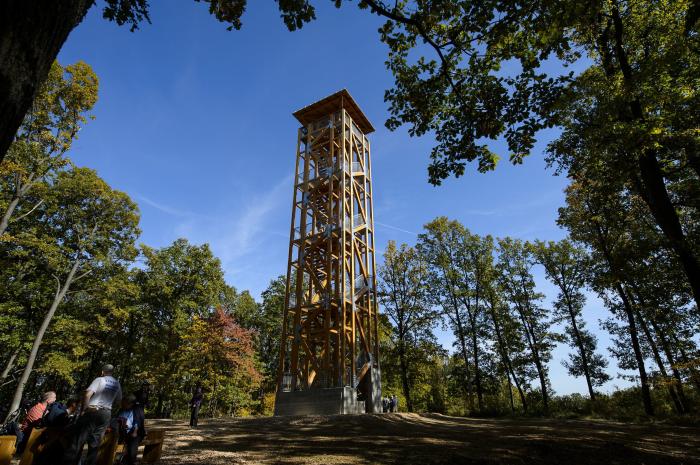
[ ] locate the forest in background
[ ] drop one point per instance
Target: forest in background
(78, 291)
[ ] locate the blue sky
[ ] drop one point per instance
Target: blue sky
(194, 122)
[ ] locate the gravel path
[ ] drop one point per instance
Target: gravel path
(428, 439)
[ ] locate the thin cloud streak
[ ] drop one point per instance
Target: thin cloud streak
(241, 240)
(395, 228)
(245, 235)
(164, 208)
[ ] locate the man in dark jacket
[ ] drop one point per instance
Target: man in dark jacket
(59, 414)
(195, 404)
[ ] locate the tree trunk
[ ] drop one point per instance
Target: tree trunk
(672, 363)
(532, 343)
(543, 380)
(510, 392)
(579, 343)
(678, 399)
(477, 374)
(656, 196)
(693, 373)
(60, 294)
(32, 33)
(680, 408)
(472, 315)
(506, 357)
(8, 214)
(643, 379)
(465, 356)
(404, 376)
(10, 364)
(629, 313)
(159, 404)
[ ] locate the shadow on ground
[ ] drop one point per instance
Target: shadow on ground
(428, 439)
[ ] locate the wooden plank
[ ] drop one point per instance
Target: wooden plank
(7, 449)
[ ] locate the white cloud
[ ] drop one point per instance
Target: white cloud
(247, 241)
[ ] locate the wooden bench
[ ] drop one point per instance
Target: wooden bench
(152, 448)
(108, 448)
(39, 439)
(30, 447)
(7, 449)
(153, 445)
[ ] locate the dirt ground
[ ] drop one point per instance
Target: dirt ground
(428, 439)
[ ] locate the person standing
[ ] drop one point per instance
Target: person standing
(142, 403)
(131, 431)
(195, 404)
(394, 403)
(96, 406)
(142, 395)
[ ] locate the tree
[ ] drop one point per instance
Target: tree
(461, 270)
(33, 32)
(439, 247)
(426, 369)
(403, 293)
(269, 327)
(178, 283)
(265, 321)
(594, 215)
(566, 266)
(508, 341)
(84, 227)
(514, 265)
(469, 72)
(47, 133)
(219, 353)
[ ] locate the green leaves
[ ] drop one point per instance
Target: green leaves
(89, 221)
(295, 13)
(472, 73)
(49, 128)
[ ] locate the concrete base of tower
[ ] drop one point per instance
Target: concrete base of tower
(374, 394)
(326, 401)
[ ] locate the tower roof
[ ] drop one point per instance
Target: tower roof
(332, 103)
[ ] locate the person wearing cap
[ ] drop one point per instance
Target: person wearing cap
(96, 413)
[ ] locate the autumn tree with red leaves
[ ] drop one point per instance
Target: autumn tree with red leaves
(220, 355)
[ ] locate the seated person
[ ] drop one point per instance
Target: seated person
(60, 415)
(34, 418)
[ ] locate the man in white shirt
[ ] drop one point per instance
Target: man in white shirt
(96, 407)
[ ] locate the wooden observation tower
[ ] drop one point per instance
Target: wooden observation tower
(329, 355)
